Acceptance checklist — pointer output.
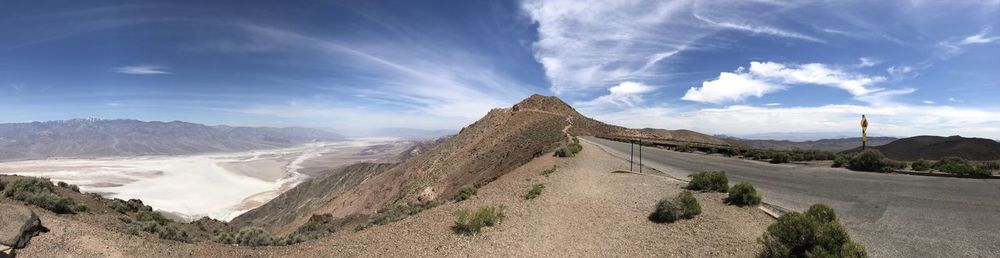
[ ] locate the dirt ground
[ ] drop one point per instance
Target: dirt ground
(584, 210)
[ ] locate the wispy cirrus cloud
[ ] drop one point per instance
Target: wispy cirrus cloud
(958, 45)
(141, 70)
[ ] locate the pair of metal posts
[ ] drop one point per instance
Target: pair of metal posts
(631, 154)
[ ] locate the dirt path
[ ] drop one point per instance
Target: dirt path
(584, 211)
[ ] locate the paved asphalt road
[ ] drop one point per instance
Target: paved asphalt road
(893, 215)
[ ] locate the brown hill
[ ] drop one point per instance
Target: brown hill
(496, 144)
(937, 147)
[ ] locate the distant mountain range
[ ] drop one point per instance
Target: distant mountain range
(125, 137)
(937, 147)
(825, 144)
(409, 133)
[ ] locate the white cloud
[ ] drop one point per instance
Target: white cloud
(928, 102)
(766, 77)
(894, 120)
(438, 81)
(767, 30)
(957, 46)
(141, 70)
(626, 94)
(730, 87)
(867, 62)
(588, 45)
(772, 104)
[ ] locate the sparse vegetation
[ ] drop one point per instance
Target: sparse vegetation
(868, 160)
(465, 193)
(960, 167)
(471, 222)
(167, 231)
(253, 236)
(549, 171)
(535, 191)
(921, 165)
(390, 215)
(709, 181)
(839, 160)
(779, 158)
(743, 194)
(564, 152)
(684, 148)
(71, 187)
(38, 192)
(683, 206)
(817, 233)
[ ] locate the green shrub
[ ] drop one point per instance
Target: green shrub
(399, 212)
(535, 191)
(564, 152)
(223, 237)
(839, 161)
(575, 147)
(743, 194)
(165, 231)
(921, 165)
(988, 165)
(688, 205)
(38, 192)
(868, 160)
(549, 171)
(253, 236)
(684, 148)
(709, 181)
(80, 208)
(152, 216)
(682, 206)
(666, 211)
(359, 227)
(465, 193)
(472, 222)
(779, 158)
(119, 206)
(960, 167)
(817, 233)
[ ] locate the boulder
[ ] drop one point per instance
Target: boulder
(17, 225)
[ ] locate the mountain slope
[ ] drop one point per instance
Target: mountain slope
(102, 138)
(496, 144)
(824, 144)
(937, 147)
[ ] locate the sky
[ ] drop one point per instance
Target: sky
(718, 67)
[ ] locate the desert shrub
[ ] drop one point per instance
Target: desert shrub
(471, 222)
(549, 171)
(709, 181)
(152, 216)
(165, 231)
(743, 194)
(223, 237)
(688, 205)
(80, 208)
(990, 165)
(360, 227)
(399, 212)
(868, 160)
(62, 184)
(564, 152)
(575, 146)
(684, 148)
(119, 206)
(921, 165)
(780, 157)
(666, 211)
(682, 206)
(839, 161)
(291, 239)
(38, 192)
(535, 191)
(817, 233)
(253, 236)
(465, 193)
(576, 140)
(960, 167)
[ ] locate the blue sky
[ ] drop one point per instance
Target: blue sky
(915, 67)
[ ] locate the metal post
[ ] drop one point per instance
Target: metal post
(640, 156)
(631, 152)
